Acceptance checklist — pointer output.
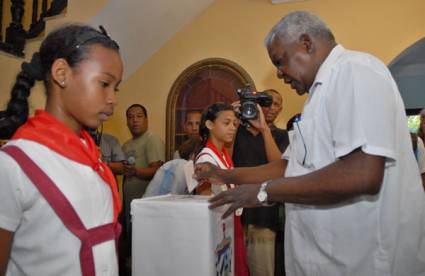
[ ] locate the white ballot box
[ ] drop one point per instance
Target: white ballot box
(177, 235)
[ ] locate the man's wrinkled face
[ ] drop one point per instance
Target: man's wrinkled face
(293, 62)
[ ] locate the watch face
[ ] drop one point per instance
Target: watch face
(262, 196)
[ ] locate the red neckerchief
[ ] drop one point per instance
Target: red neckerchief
(223, 156)
(45, 129)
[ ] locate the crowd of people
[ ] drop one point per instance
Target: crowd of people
(333, 194)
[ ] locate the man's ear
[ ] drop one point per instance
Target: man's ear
(60, 71)
(209, 124)
(307, 43)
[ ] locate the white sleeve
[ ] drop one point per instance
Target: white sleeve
(11, 195)
(361, 110)
(206, 158)
(421, 155)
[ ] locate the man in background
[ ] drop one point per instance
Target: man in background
(190, 127)
(112, 153)
(145, 153)
(258, 143)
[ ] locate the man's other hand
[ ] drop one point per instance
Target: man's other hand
(208, 173)
(239, 197)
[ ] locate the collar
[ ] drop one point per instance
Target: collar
(140, 136)
(327, 65)
(223, 155)
(272, 127)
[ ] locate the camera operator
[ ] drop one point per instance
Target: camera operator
(259, 142)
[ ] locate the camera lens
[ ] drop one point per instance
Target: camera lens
(249, 110)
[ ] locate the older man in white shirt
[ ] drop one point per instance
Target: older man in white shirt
(353, 193)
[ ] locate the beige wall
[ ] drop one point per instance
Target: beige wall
(235, 29)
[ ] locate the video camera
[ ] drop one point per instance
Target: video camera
(249, 100)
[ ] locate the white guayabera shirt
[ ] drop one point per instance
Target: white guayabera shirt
(355, 103)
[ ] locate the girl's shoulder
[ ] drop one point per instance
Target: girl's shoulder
(205, 156)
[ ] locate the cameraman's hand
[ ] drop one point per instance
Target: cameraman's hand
(260, 123)
(208, 173)
(236, 106)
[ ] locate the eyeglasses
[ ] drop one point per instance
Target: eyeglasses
(296, 121)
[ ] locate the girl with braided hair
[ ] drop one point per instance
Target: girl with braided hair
(58, 202)
(217, 129)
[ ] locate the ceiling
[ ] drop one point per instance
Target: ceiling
(143, 26)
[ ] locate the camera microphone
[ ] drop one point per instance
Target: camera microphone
(131, 160)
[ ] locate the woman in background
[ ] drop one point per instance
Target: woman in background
(58, 202)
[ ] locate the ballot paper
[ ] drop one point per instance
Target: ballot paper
(188, 174)
(179, 235)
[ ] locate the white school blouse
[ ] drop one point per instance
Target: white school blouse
(41, 243)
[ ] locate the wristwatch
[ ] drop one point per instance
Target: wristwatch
(262, 194)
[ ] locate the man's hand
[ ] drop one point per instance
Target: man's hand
(208, 173)
(3, 142)
(260, 123)
(236, 106)
(239, 197)
(129, 170)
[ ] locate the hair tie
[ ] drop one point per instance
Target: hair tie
(34, 69)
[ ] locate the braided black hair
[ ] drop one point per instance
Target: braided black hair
(70, 42)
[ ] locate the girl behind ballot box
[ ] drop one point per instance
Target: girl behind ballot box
(217, 129)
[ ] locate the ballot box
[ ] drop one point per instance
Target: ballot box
(178, 235)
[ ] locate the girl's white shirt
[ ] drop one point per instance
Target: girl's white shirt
(41, 244)
(208, 155)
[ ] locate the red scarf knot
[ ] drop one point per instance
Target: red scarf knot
(97, 167)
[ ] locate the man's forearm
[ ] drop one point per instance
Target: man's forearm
(354, 175)
(146, 173)
(6, 239)
(272, 150)
(255, 175)
(116, 167)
